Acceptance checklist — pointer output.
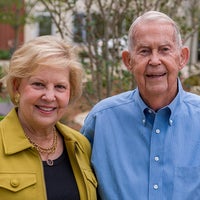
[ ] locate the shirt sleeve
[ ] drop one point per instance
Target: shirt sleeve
(88, 128)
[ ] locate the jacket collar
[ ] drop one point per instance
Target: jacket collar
(71, 137)
(13, 137)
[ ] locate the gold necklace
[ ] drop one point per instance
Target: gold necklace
(48, 150)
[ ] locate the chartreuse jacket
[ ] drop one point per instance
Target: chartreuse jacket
(21, 170)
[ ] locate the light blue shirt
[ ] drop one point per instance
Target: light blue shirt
(139, 154)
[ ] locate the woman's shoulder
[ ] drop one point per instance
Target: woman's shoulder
(71, 134)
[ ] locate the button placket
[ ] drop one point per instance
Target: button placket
(157, 139)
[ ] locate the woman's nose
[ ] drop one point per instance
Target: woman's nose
(49, 95)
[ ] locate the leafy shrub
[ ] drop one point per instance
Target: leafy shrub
(4, 54)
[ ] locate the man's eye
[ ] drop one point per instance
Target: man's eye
(165, 49)
(144, 51)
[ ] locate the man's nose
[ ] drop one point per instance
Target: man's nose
(154, 59)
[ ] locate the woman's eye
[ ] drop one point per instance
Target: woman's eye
(61, 87)
(38, 84)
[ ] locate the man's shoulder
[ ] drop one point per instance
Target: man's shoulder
(192, 99)
(114, 101)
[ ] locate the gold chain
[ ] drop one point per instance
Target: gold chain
(49, 150)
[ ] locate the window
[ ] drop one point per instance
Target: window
(79, 28)
(83, 27)
(45, 25)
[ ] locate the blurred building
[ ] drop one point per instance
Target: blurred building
(44, 26)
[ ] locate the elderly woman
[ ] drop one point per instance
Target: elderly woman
(40, 158)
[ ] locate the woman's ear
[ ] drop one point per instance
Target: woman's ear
(127, 59)
(16, 83)
(185, 53)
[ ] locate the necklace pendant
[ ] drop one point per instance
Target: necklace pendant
(49, 162)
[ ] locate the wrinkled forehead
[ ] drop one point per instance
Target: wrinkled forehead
(159, 20)
(153, 27)
(149, 21)
(153, 16)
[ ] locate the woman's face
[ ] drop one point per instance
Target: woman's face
(43, 97)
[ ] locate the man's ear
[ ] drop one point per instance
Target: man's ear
(185, 54)
(127, 59)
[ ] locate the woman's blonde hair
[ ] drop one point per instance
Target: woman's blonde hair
(45, 51)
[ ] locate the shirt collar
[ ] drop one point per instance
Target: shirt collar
(171, 108)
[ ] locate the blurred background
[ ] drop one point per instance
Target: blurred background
(98, 29)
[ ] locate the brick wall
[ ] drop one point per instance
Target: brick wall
(7, 34)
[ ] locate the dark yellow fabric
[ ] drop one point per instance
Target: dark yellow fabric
(21, 170)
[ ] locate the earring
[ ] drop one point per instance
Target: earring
(17, 97)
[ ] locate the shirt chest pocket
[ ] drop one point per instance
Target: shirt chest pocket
(187, 183)
(15, 182)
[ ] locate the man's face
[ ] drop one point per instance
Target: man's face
(156, 59)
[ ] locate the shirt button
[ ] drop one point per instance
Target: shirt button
(156, 158)
(157, 131)
(155, 187)
(150, 111)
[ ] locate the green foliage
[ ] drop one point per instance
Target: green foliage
(1, 75)
(4, 55)
(83, 54)
(1, 117)
(16, 13)
(193, 80)
(127, 79)
(89, 87)
(12, 12)
(1, 72)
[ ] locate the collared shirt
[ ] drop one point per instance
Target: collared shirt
(139, 154)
